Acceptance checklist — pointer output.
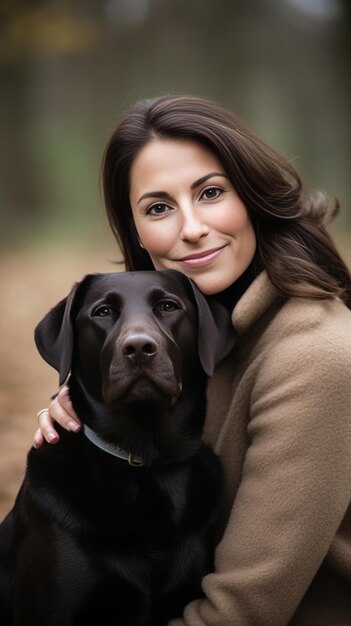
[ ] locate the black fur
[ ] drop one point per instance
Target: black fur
(92, 539)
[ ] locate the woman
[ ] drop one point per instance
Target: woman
(187, 186)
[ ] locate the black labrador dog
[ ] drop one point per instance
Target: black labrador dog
(115, 525)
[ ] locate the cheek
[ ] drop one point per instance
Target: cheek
(232, 220)
(244, 240)
(236, 223)
(158, 238)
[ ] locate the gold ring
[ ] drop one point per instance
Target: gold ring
(41, 412)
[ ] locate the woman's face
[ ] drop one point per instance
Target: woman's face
(188, 215)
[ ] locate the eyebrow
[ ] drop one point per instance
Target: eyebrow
(194, 185)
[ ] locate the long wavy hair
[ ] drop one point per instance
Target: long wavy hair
(293, 245)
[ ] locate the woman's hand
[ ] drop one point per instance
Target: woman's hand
(60, 410)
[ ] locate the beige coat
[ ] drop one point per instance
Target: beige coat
(279, 416)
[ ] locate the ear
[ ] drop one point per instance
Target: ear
(216, 333)
(54, 335)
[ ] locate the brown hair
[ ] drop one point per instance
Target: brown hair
(292, 242)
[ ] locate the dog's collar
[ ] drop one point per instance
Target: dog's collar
(111, 448)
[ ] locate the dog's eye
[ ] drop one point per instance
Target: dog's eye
(104, 310)
(166, 306)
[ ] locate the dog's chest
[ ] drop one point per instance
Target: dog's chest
(145, 538)
(147, 503)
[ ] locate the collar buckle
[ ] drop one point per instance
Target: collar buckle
(134, 462)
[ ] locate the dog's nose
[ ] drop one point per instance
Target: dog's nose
(139, 346)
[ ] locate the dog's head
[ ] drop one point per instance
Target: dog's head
(136, 302)
(135, 337)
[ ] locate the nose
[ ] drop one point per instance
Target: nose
(193, 227)
(139, 347)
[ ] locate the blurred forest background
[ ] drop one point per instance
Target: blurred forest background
(69, 69)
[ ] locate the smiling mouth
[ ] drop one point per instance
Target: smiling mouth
(202, 258)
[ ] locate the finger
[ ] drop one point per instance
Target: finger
(60, 411)
(38, 439)
(47, 428)
(67, 416)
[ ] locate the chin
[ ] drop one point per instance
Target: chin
(210, 286)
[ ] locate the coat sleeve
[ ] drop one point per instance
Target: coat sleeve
(295, 486)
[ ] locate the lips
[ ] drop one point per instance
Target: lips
(202, 258)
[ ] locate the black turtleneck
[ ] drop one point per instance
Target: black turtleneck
(232, 294)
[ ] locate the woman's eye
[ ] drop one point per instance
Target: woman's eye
(103, 311)
(166, 306)
(157, 209)
(211, 193)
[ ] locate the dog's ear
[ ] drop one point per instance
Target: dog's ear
(54, 335)
(216, 333)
